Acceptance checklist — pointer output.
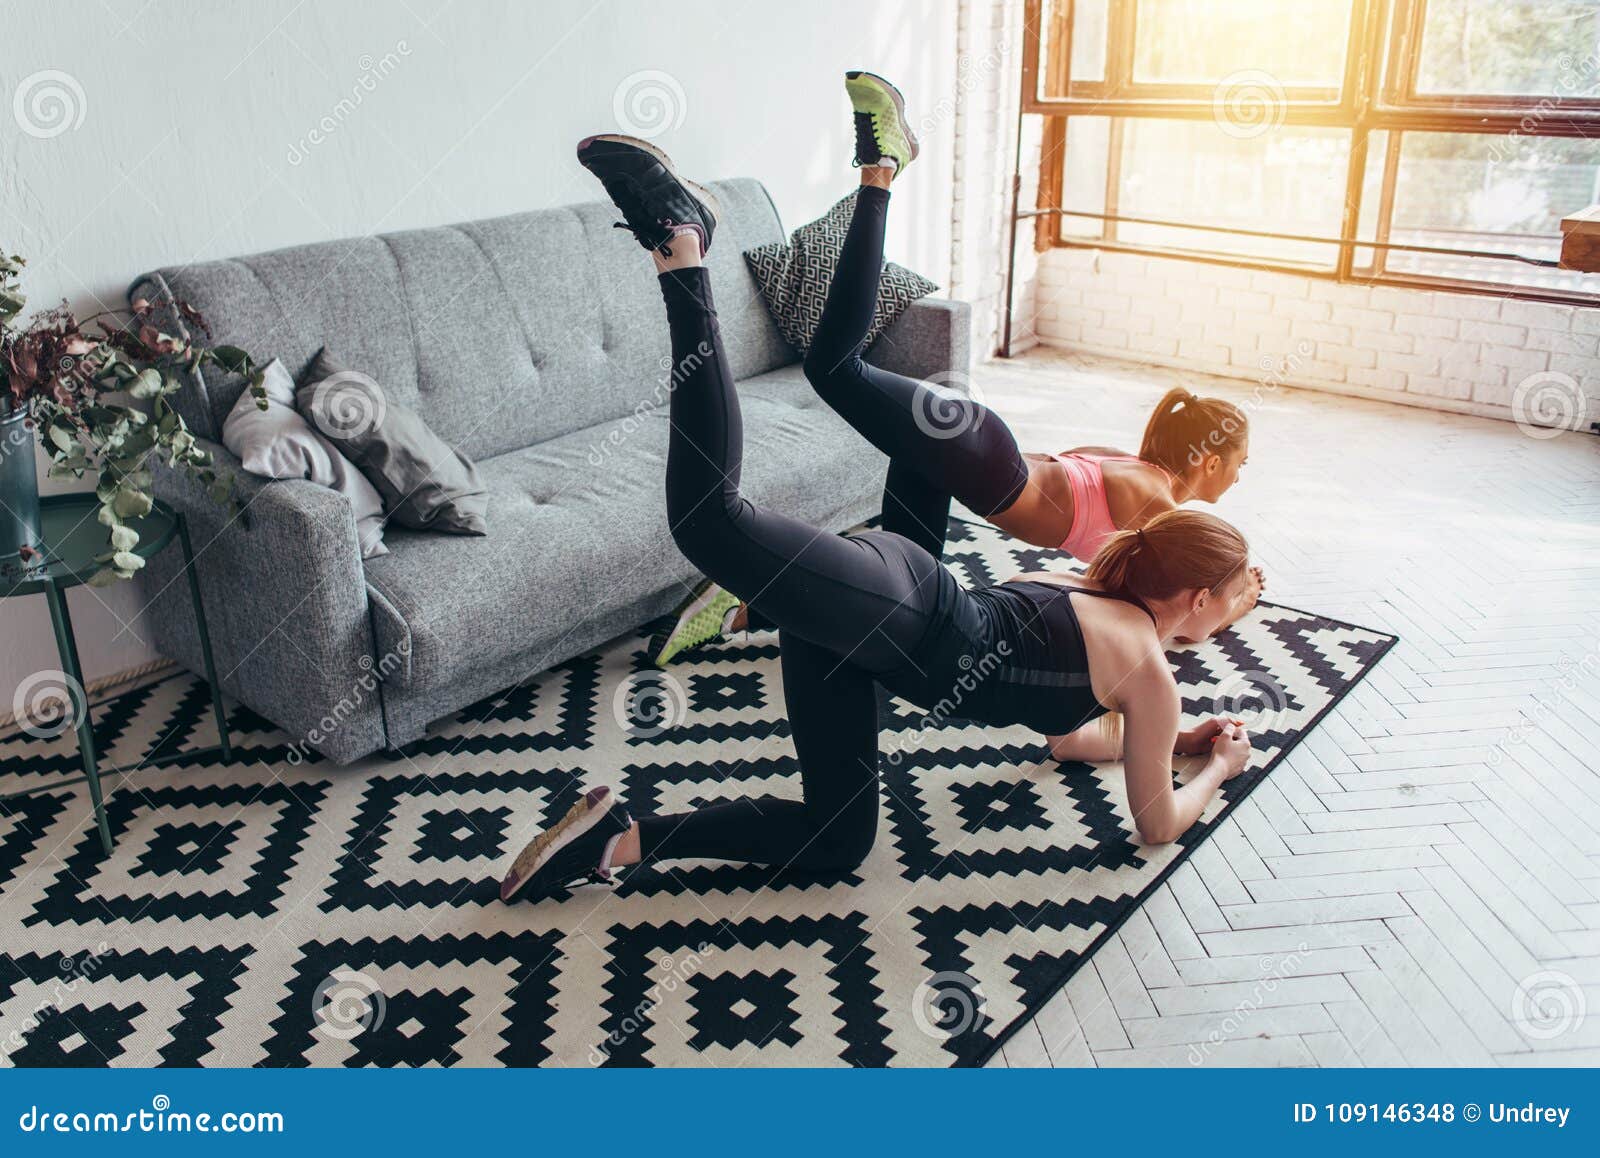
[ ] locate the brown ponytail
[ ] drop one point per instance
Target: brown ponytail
(1176, 551)
(1185, 429)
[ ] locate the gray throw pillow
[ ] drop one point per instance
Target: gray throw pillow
(426, 484)
(794, 277)
(279, 443)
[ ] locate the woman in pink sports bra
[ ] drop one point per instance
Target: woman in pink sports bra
(1192, 449)
(941, 445)
(1085, 477)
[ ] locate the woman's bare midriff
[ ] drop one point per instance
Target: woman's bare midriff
(1042, 514)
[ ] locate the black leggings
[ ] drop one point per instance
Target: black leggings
(940, 444)
(848, 608)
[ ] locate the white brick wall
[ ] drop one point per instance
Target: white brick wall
(989, 39)
(1448, 351)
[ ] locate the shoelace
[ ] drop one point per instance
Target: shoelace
(631, 188)
(874, 120)
(865, 131)
(665, 247)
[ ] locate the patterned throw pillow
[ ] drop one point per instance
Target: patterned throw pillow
(794, 277)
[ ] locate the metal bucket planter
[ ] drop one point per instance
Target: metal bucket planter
(19, 496)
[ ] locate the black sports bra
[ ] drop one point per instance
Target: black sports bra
(1041, 679)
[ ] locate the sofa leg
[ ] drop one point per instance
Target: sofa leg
(403, 752)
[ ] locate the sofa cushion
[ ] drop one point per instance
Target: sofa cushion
(426, 484)
(580, 529)
(499, 333)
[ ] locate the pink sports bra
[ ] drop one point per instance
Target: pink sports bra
(1091, 516)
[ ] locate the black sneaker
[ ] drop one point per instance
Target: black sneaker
(572, 851)
(654, 200)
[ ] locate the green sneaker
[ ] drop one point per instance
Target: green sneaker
(699, 622)
(881, 126)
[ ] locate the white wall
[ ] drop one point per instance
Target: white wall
(988, 89)
(196, 118)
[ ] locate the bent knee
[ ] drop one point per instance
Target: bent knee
(841, 852)
(826, 369)
(838, 860)
(700, 540)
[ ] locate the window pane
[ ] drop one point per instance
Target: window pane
(1089, 40)
(1495, 193)
(1088, 44)
(1366, 258)
(1511, 47)
(1083, 179)
(1294, 42)
(1290, 180)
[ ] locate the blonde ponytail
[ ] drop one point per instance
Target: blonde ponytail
(1176, 551)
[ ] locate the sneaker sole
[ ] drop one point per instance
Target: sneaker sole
(702, 194)
(899, 108)
(702, 599)
(579, 819)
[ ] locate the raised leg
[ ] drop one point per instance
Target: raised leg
(868, 597)
(67, 649)
(955, 443)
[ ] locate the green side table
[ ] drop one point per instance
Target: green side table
(71, 536)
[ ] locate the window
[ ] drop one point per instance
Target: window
(1418, 142)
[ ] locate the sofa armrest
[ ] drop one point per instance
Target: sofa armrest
(286, 602)
(315, 515)
(931, 340)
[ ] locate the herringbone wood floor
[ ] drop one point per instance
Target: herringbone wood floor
(1419, 882)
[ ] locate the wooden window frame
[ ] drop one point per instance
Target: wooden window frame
(1377, 95)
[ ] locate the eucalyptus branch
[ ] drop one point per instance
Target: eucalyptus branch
(71, 380)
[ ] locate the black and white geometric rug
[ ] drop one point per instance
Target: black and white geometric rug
(269, 913)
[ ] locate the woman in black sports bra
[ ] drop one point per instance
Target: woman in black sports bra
(875, 607)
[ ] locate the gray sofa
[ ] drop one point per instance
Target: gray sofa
(537, 343)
